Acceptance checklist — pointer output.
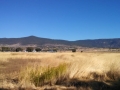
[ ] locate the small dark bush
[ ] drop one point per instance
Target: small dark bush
(29, 49)
(19, 49)
(54, 50)
(73, 50)
(37, 49)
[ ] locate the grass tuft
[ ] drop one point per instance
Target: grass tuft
(41, 75)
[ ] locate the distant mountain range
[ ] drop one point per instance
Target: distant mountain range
(33, 40)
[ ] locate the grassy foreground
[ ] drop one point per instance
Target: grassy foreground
(59, 71)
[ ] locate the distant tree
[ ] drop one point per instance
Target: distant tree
(19, 49)
(38, 49)
(54, 50)
(73, 50)
(29, 49)
(0, 49)
(5, 49)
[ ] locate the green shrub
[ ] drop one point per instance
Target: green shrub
(50, 76)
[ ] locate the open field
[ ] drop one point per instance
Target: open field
(59, 71)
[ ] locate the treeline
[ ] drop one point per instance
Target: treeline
(31, 49)
(27, 49)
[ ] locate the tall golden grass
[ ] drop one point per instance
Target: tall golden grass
(84, 71)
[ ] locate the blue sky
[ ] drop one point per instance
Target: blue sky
(60, 19)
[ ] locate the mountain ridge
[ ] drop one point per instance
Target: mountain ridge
(99, 43)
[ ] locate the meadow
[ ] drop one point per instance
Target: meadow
(59, 71)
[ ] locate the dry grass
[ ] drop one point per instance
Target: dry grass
(84, 71)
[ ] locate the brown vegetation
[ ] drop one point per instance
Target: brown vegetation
(59, 71)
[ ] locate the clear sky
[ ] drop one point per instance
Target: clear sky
(60, 19)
